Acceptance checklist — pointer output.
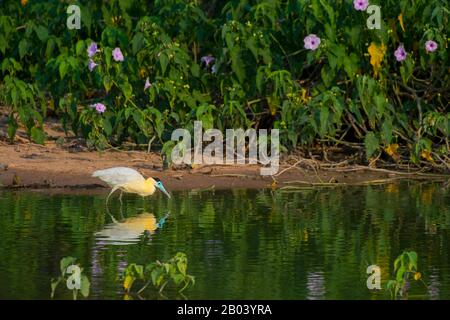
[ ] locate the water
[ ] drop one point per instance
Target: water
(241, 244)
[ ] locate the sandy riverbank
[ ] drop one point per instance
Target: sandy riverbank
(52, 167)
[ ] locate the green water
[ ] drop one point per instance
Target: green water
(241, 244)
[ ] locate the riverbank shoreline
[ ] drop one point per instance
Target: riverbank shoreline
(36, 167)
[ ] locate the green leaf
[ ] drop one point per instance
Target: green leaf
(182, 267)
(139, 269)
(127, 90)
(163, 61)
(155, 275)
(260, 75)
(137, 42)
(195, 70)
(12, 127)
(412, 255)
(108, 56)
(386, 131)
(65, 262)
(251, 45)
(237, 65)
(38, 135)
(42, 33)
(107, 126)
(54, 284)
(400, 273)
(3, 44)
(85, 285)
(80, 48)
(23, 48)
(63, 68)
(107, 82)
(324, 114)
(371, 143)
(177, 279)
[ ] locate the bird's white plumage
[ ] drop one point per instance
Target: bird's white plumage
(118, 175)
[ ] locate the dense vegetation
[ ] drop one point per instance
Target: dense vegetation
(138, 69)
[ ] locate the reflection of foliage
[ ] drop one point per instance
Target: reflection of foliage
(404, 266)
(160, 274)
(68, 276)
(258, 241)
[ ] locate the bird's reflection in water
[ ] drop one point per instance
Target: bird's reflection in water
(130, 230)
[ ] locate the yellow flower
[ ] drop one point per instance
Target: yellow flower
(400, 19)
(426, 155)
(377, 53)
(23, 2)
(305, 97)
(417, 276)
(392, 151)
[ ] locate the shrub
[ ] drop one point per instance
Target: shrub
(232, 64)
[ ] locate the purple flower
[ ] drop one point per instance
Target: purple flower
(92, 49)
(400, 54)
(312, 42)
(207, 59)
(147, 84)
(361, 5)
(117, 54)
(430, 46)
(99, 107)
(92, 65)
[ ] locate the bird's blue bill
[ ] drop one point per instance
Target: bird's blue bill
(160, 186)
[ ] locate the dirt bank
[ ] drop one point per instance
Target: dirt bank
(52, 167)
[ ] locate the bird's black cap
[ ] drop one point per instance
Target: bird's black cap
(156, 179)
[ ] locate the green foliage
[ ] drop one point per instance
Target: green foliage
(68, 275)
(404, 266)
(160, 274)
(261, 75)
